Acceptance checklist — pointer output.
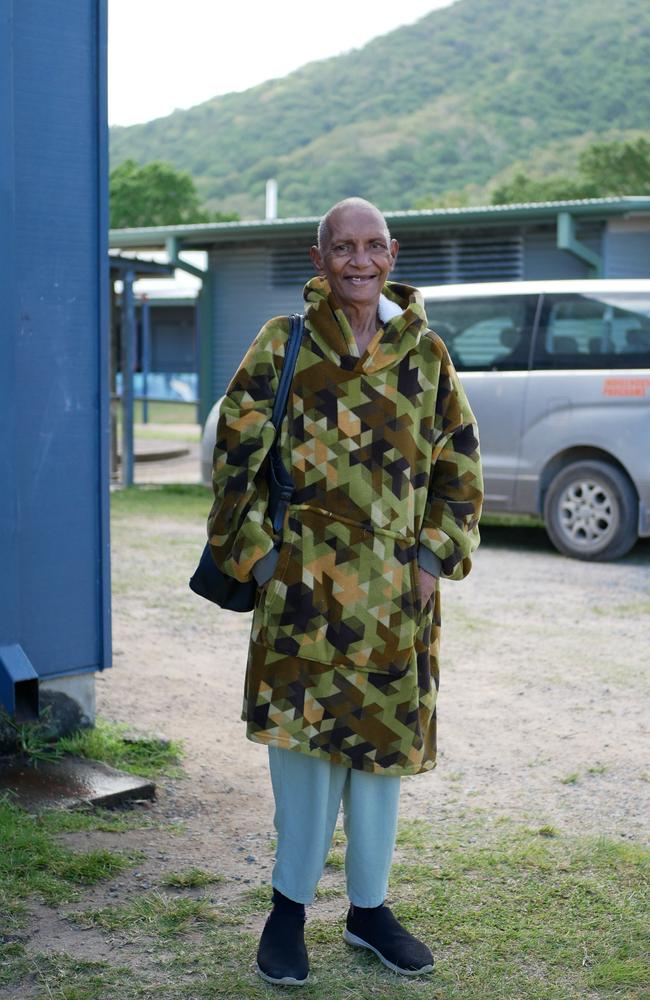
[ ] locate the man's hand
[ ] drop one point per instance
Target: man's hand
(427, 585)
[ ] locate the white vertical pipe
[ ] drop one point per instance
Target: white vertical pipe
(271, 199)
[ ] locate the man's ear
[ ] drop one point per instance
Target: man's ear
(394, 250)
(316, 259)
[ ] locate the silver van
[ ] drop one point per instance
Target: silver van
(558, 375)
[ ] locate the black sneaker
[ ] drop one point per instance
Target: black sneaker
(378, 930)
(282, 956)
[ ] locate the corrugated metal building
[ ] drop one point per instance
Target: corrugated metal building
(54, 496)
(257, 269)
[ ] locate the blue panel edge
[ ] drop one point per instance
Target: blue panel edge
(101, 38)
(16, 669)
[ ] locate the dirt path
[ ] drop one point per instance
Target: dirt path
(543, 709)
(543, 715)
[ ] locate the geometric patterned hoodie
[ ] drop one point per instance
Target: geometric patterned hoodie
(383, 451)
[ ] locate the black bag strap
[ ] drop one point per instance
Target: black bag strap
(297, 324)
(281, 485)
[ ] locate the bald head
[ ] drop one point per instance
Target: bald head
(325, 225)
(355, 254)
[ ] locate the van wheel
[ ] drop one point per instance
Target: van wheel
(591, 511)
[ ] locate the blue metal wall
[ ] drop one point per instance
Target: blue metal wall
(54, 544)
(544, 261)
(627, 249)
(244, 299)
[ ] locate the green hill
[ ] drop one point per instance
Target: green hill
(450, 102)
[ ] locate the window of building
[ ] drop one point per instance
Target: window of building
(291, 266)
(427, 261)
(460, 260)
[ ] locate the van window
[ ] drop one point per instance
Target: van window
(594, 331)
(491, 334)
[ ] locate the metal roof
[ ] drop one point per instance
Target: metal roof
(120, 263)
(213, 233)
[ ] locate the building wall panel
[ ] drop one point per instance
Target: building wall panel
(244, 300)
(544, 260)
(56, 338)
(627, 250)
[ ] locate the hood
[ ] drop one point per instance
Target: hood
(330, 329)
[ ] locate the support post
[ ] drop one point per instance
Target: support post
(566, 240)
(128, 364)
(205, 316)
(146, 356)
(206, 345)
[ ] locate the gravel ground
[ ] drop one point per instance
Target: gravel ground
(543, 713)
(543, 707)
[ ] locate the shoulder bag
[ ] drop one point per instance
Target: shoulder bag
(208, 580)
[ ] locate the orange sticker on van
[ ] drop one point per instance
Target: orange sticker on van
(626, 387)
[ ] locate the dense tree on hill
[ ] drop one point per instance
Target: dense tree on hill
(155, 195)
(523, 188)
(618, 168)
(444, 105)
(604, 169)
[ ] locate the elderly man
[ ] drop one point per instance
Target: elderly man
(342, 672)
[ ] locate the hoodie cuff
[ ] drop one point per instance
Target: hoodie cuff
(426, 561)
(264, 568)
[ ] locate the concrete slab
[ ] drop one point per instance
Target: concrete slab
(186, 468)
(69, 782)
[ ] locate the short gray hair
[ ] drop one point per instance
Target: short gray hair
(325, 223)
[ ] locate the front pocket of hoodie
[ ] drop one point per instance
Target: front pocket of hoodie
(346, 595)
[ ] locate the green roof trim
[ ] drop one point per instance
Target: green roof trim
(202, 235)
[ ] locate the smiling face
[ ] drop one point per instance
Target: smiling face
(357, 256)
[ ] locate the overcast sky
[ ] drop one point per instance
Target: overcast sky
(163, 54)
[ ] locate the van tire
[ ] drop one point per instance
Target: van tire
(591, 511)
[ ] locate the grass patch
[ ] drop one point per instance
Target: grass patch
(109, 742)
(58, 976)
(509, 913)
(414, 834)
(616, 973)
(127, 817)
(336, 860)
(14, 964)
(33, 862)
(166, 432)
(161, 412)
(192, 878)
(257, 899)
(515, 531)
(632, 609)
(152, 913)
(147, 756)
(32, 739)
(329, 892)
(572, 910)
(180, 501)
(454, 776)
(495, 520)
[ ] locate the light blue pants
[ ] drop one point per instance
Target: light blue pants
(308, 794)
